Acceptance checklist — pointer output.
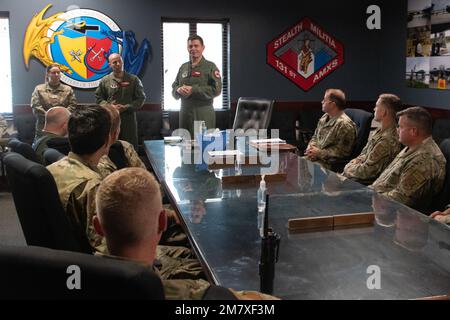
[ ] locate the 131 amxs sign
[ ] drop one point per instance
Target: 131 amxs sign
(305, 54)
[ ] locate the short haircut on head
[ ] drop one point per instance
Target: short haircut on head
(195, 37)
(391, 102)
(337, 96)
(115, 117)
(89, 128)
(419, 117)
(128, 205)
(52, 65)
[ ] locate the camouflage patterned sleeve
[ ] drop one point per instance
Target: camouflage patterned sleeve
(72, 101)
(374, 163)
(138, 96)
(3, 126)
(36, 104)
(132, 156)
(341, 142)
(211, 89)
(185, 289)
(313, 141)
(413, 181)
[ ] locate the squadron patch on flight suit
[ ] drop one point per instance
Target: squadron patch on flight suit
(217, 73)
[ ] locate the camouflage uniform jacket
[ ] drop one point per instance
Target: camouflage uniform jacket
(3, 126)
(106, 166)
(77, 184)
(174, 289)
(335, 137)
(45, 97)
(414, 176)
(378, 153)
(127, 91)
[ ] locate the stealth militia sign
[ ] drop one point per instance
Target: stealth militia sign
(305, 54)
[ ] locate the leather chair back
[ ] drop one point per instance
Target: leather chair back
(26, 127)
(253, 113)
(42, 217)
(24, 149)
(441, 129)
(52, 155)
(363, 121)
(42, 273)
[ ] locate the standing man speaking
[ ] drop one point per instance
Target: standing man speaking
(124, 92)
(197, 83)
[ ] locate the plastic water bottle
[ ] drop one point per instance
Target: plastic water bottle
(203, 127)
(261, 199)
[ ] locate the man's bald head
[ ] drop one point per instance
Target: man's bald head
(116, 64)
(56, 119)
(114, 56)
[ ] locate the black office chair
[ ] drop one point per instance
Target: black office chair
(443, 198)
(42, 217)
(441, 129)
(253, 113)
(52, 155)
(150, 125)
(24, 149)
(26, 127)
(42, 273)
(363, 121)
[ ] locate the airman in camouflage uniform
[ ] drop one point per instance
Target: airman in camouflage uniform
(383, 145)
(197, 83)
(106, 166)
(77, 182)
(130, 216)
(51, 94)
(417, 174)
(335, 134)
(126, 93)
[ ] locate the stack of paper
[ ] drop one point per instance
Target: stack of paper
(173, 139)
(268, 141)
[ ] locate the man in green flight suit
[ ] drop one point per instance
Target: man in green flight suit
(125, 92)
(197, 83)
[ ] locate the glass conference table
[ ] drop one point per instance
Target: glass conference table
(407, 252)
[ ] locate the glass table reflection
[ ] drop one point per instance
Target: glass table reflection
(411, 251)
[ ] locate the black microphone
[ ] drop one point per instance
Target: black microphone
(270, 245)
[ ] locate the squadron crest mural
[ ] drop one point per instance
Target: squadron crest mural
(80, 41)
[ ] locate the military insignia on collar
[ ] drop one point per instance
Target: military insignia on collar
(184, 74)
